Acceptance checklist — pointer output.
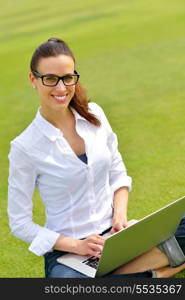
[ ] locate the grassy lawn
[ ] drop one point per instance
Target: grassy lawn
(131, 57)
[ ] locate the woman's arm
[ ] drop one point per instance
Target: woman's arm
(22, 180)
(117, 173)
(92, 245)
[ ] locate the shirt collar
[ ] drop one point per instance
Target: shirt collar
(77, 115)
(49, 130)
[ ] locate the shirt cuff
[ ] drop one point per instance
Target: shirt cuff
(44, 241)
(126, 181)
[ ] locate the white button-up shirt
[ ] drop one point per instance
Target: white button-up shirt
(77, 196)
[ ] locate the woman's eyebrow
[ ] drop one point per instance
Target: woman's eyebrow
(51, 74)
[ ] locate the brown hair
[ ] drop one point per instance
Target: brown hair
(55, 47)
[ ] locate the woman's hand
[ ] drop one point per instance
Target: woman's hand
(118, 223)
(92, 245)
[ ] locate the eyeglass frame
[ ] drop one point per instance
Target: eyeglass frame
(59, 78)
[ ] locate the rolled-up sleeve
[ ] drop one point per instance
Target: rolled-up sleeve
(118, 173)
(21, 186)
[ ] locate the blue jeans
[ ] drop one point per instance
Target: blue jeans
(180, 234)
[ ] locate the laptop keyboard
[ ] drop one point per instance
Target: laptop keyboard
(92, 262)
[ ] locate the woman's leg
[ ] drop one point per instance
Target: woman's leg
(167, 272)
(152, 259)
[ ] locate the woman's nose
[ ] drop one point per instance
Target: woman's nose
(60, 85)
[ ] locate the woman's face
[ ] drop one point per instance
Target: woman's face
(56, 97)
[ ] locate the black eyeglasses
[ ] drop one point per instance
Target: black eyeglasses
(52, 80)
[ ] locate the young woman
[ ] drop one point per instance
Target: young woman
(70, 153)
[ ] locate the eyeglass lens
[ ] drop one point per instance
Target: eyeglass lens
(53, 80)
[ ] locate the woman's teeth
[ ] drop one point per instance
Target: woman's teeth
(60, 98)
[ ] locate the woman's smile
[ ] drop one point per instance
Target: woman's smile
(60, 98)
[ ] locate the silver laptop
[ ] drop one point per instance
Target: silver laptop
(130, 242)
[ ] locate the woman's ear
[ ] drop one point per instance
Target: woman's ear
(32, 80)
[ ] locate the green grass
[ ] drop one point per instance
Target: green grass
(131, 57)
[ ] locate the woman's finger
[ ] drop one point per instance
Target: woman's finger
(97, 239)
(96, 247)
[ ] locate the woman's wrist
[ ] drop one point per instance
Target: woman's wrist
(120, 203)
(66, 244)
(119, 216)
